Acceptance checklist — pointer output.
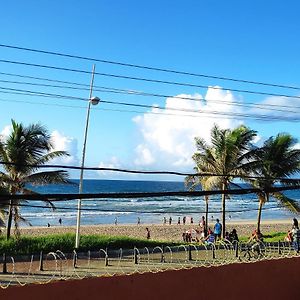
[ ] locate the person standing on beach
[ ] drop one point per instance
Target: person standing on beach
(60, 221)
(165, 220)
(178, 222)
(148, 233)
(183, 220)
(116, 220)
(139, 221)
(218, 229)
(202, 225)
(295, 232)
(295, 223)
(170, 221)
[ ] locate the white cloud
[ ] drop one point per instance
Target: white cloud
(61, 142)
(168, 140)
(297, 146)
(5, 132)
(276, 106)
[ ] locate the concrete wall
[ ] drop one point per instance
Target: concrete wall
(276, 279)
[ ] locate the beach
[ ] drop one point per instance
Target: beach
(172, 233)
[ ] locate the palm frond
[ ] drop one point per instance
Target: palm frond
(48, 177)
(288, 203)
(51, 155)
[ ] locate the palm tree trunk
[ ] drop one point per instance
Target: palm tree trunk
(259, 215)
(206, 214)
(9, 221)
(223, 210)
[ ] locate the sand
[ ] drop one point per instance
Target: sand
(160, 232)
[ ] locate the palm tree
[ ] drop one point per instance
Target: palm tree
(275, 162)
(21, 153)
(225, 159)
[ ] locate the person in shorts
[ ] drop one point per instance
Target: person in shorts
(218, 229)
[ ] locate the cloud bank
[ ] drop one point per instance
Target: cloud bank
(167, 140)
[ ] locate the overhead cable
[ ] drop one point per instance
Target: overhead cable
(142, 78)
(148, 67)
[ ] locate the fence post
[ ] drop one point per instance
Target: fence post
(41, 268)
(236, 249)
(4, 264)
(74, 259)
(135, 256)
(279, 250)
(106, 259)
(190, 252)
(213, 252)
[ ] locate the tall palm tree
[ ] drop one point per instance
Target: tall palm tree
(275, 162)
(21, 152)
(225, 158)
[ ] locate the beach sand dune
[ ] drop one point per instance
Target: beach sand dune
(172, 233)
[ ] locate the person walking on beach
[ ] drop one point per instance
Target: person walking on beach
(218, 229)
(202, 225)
(295, 223)
(295, 232)
(116, 220)
(148, 233)
(178, 222)
(165, 221)
(170, 221)
(192, 220)
(139, 221)
(183, 220)
(60, 221)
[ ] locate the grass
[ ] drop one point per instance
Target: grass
(66, 242)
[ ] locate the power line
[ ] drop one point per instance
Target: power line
(63, 197)
(268, 107)
(208, 113)
(140, 171)
(143, 79)
(139, 211)
(150, 68)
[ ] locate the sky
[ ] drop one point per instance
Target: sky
(253, 40)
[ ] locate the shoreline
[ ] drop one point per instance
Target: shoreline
(172, 233)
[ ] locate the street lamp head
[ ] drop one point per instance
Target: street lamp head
(95, 100)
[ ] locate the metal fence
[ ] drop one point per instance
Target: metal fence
(44, 268)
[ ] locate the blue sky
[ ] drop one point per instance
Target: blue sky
(254, 40)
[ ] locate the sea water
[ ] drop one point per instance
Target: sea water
(149, 210)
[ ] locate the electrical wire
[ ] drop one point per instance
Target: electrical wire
(140, 211)
(268, 107)
(143, 79)
(149, 67)
(208, 113)
(140, 171)
(70, 196)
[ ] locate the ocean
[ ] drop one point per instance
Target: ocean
(149, 210)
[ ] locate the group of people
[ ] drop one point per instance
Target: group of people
(209, 235)
(184, 220)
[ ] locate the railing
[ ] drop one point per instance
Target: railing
(44, 268)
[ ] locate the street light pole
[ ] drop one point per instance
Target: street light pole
(93, 101)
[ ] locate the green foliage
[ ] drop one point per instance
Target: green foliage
(66, 242)
(274, 237)
(25, 148)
